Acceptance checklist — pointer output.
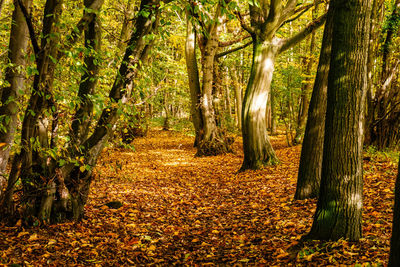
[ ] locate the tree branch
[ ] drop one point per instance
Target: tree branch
(231, 42)
(233, 50)
(312, 26)
(244, 25)
(302, 9)
(81, 25)
(35, 44)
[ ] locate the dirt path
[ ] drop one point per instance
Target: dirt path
(178, 209)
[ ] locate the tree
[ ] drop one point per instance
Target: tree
(339, 207)
(209, 139)
(56, 186)
(308, 62)
(384, 110)
(394, 257)
(266, 19)
(10, 94)
(309, 177)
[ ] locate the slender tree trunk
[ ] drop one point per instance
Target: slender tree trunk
(394, 257)
(305, 91)
(309, 177)
(77, 179)
(126, 24)
(257, 148)
(194, 80)
(15, 78)
(238, 97)
(82, 119)
(273, 113)
(339, 206)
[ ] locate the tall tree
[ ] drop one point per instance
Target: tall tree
(339, 207)
(56, 187)
(267, 18)
(309, 177)
(15, 77)
(394, 257)
(210, 140)
(306, 88)
(193, 75)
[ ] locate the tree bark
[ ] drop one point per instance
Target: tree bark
(193, 76)
(394, 256)
(309, 177)
(257, 148)
(15, 77)
(266, 21)
(305, 91)
(82, 118)
(238, 97)
(339, 206)
(212, 142)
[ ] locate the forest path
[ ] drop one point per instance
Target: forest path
(182, 210)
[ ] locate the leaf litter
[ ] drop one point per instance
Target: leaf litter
(178, 209)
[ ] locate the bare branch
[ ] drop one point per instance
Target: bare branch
(312, 26)
(28, 19)
(233, 50)
(302, 9)
(244, 25)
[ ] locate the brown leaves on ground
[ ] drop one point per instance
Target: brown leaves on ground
(184, 210)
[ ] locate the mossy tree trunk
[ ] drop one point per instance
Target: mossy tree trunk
(339, 208)
(266, 19)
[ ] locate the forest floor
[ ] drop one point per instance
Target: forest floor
(182, 210)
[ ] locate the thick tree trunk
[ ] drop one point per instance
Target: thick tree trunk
(15, 78)
(339, 206)
(212, 141)
(309, 176)
(257, 148)
(394, 257)
(194, 80)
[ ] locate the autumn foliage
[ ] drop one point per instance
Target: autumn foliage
(181, 209)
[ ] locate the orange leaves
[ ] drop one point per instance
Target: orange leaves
(182, 210)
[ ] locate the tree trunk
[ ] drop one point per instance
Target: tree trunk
(339, 207)
(309, 176)
(194, 80)
(257, 148)
(273, 113)
(394, 257)
(238, 98)
(82, 119)
(53, 191)
(212, 141)
(15, 78)
(305, 90)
